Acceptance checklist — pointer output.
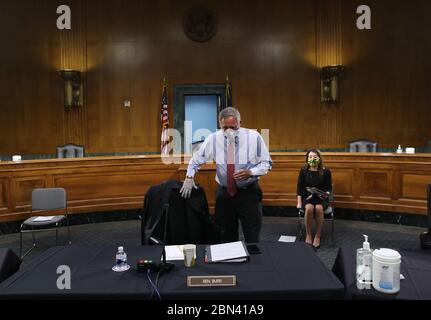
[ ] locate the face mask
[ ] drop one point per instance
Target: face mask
(229, 134)
(313, 162)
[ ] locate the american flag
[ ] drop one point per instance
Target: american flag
(165, 122)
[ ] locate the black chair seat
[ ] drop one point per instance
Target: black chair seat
(31, 221)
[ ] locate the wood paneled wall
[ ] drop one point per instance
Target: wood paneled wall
(386, 92)
(370, 181)
(271, 51)
(31, 96)
(366, 181)
(74, 56)
(329, 52)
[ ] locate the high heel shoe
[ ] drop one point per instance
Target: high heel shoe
(316, 247)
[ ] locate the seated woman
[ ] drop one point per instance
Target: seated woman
(314, 174)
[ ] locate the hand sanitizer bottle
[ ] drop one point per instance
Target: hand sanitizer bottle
(399, 149)
(364, 260)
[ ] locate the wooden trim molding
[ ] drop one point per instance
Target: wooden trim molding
(368, 181)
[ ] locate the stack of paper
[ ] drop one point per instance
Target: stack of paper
(287, 239)
(174, 253)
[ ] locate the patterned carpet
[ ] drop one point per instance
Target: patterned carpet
(127, 233)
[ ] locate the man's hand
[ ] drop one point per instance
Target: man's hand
(242, 174)
(187, 188)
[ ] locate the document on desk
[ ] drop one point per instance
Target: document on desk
(174, 253)
(227, 252)
(43, 218)
(287, 238)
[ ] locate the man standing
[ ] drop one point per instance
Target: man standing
(241, 157)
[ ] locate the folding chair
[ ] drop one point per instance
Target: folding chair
(45, 199)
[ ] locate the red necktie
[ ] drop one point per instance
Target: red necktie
(231, 186)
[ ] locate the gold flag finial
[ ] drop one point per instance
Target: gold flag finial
(227, 78)
(164, 81)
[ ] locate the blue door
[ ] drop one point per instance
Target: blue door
(200, 118)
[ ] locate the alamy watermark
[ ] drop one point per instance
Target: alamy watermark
(64, 280)
(364, 20)
(64, 21)
(176, 147)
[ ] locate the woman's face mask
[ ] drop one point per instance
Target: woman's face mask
(313, 162)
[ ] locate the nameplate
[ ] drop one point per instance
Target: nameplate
(211, 281)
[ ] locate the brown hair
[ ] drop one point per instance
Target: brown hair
(321, 165)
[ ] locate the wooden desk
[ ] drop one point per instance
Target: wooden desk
(369, 181)
(92, 184)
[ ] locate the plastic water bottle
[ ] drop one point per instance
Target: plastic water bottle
(121, 258)
(121, 261)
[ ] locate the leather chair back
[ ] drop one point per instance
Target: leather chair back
(70, 151)
(363, 145)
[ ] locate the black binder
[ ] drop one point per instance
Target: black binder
(318, 192)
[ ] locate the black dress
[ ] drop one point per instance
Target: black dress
(308, 178)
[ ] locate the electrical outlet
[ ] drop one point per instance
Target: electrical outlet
(126, 103)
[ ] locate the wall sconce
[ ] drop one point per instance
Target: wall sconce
(329, 83)
(73, 90)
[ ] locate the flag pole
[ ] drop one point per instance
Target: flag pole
(227, 91)
(164, 119)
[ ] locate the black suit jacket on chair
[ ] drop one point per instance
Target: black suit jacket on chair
(189, 220)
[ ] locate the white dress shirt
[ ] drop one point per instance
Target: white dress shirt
(250, 153)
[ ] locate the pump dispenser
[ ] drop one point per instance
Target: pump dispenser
(364, 260)
(366, 244)
(399, 149)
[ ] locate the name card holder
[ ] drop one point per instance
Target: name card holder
(211, 281)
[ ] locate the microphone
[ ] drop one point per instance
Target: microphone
(165, 231)
(165, 267)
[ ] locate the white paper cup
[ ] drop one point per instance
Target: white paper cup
(189, 251)
(410, 150)
(16, 158)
